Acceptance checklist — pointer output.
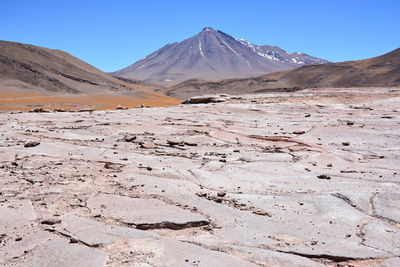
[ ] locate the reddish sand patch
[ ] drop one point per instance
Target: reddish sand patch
(12, 102)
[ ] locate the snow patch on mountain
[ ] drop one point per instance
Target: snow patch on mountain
(277, 54)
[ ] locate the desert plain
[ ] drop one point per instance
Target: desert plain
(305, 178)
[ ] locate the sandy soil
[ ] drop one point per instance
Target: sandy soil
(9, 102)
(309, 178)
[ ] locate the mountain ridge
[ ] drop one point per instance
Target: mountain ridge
(380, 71)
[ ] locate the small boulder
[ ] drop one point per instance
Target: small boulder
(32, 144)
(324, 177)
(59, 110)
(221, 194)
(39, 110)
(87, 110)
(51, 221)
(129, 138)
(173, 142)
(205, 99)
(119, 107)
(189, 143)
(148, 145)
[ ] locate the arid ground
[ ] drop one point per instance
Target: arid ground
(308, 178)
(31, 101)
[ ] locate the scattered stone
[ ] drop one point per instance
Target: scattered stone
(148, 145)
(205, 99)
(345, 143)
(59, 110)
(39, 110)
(73, 240)
(348, 171)
(172, 142)
(129, 138)
(32, 144)
(299, 132)
(324, 177)
(188, 143)
(119, 107)
(201, 194)
(87, 110)
(51, 221)
(221, 194)
(262, 213)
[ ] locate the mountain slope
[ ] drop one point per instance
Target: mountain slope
(278, 54)
(27, 69)
(209, 55)
(378, 71)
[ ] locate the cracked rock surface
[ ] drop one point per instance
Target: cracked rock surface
(236, 183)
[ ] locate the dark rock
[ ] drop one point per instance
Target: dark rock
(73, 240)
(119, 107)
(50, 221)
(32, 144)
(221, 194)
(174, 142)
(39, 110)
(323, 176)
(204, 99)
(129, 138)
(59, 110)
(87, 110)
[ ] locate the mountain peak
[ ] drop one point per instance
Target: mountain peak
(207, 29)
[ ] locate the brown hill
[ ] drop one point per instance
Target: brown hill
(381, 71)
(32, 76)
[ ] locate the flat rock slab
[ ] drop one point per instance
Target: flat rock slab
(144, 213)
(61, 253)
(15, 214)
(387, 205)
(97, 234)
(167, 252)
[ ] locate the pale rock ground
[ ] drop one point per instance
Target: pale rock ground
(225, 184)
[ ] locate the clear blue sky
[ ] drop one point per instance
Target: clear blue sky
(114, 34)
